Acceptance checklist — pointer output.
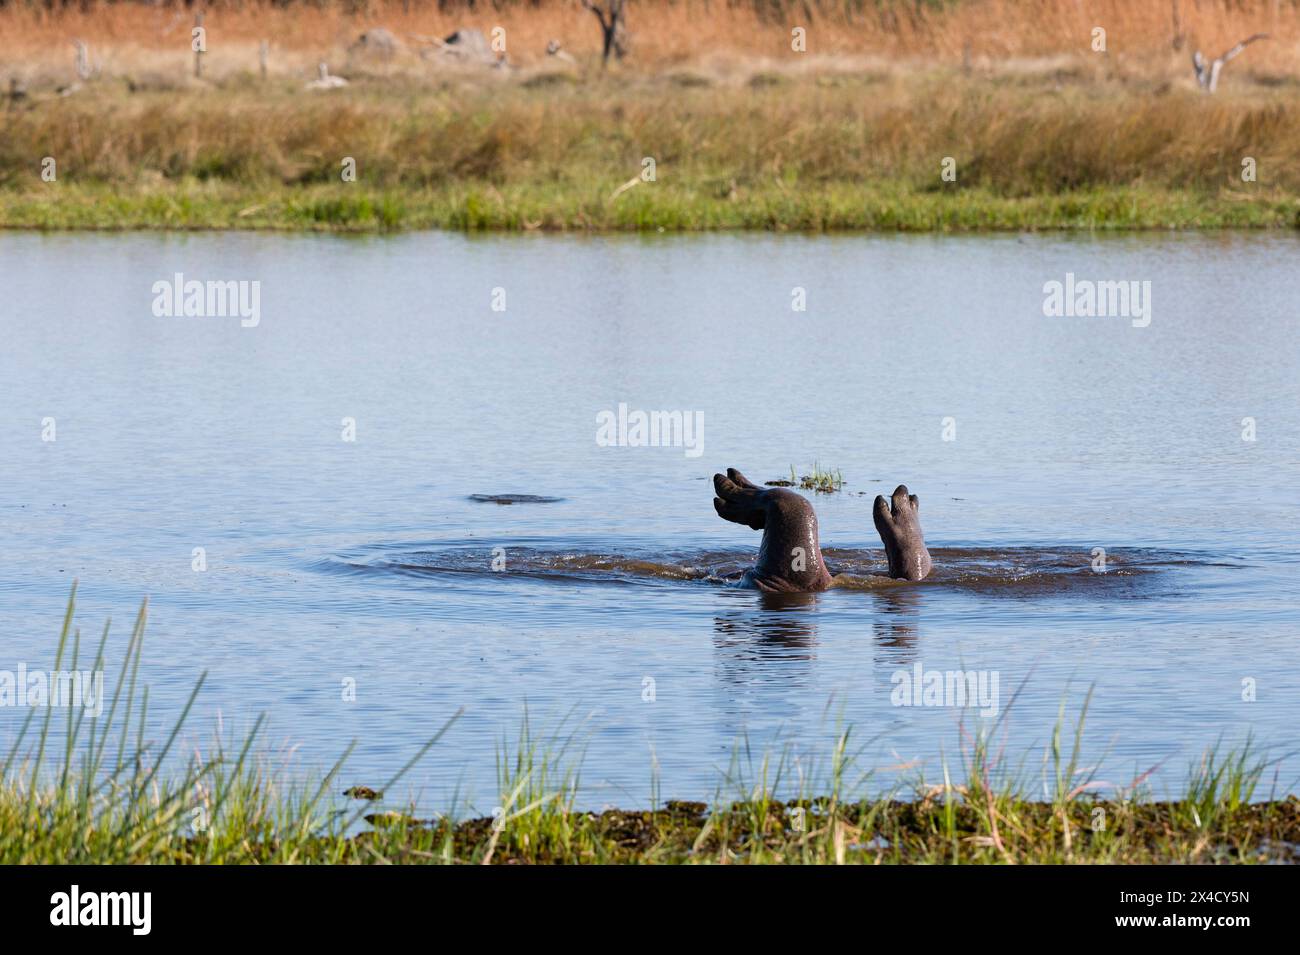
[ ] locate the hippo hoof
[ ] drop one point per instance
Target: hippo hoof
(899, 524)
(739, 500)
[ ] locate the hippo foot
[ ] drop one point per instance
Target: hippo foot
(789, 557)
(899, 524)
(740, 500)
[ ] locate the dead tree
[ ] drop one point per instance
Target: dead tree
(81, 62)
(1208, 76)
(610, 15)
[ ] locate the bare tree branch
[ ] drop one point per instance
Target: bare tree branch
(1242, 45)
(609, 13)
(1208, 77)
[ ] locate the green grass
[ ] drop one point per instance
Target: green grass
(679, 207)
(93, 791)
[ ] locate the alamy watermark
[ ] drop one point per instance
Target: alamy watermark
(133, 910)
(191, 298)
(651, 429)
(53, 688)
(1084, 298)
(960, 688)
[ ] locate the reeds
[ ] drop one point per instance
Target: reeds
(111, 795)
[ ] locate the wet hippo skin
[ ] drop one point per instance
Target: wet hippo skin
(790, 556)
(899, 524)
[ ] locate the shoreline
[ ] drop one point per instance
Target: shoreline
(910, 151)
(197, 207)
(935, 830)
(957, 824)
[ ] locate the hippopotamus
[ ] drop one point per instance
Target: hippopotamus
(790, 556)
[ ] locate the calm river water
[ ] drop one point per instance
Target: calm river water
(325, 461)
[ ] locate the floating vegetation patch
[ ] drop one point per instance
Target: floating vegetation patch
(822, 481)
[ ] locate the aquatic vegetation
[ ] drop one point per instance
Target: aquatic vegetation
(824, 482)
(118, 804)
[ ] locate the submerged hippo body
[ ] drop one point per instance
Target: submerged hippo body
(790, 556)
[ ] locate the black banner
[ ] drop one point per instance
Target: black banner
(339, 905)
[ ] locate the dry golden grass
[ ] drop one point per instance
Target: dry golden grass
(1013, 139)
(984, 34)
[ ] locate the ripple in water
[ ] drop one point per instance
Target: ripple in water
(1013, 570)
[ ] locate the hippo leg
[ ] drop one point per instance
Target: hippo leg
(789, 557)
(899, 525)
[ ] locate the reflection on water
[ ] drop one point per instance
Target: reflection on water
(476, 546)
(779, 632)
(895, 621)
(781, 626)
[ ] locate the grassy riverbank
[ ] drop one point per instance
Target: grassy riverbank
(199, 206)
(90, 791)
(558, 151)
(255, 819)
